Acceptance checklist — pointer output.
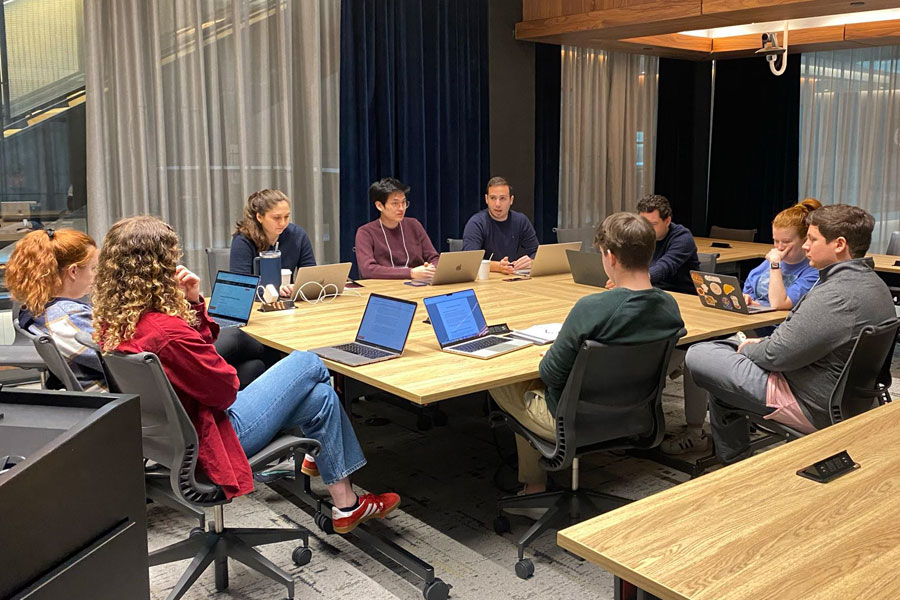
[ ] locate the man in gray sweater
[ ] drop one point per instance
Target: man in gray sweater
(789, 375)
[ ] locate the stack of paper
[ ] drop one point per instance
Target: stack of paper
(538, 334)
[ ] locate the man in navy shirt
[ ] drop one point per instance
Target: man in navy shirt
(676, 253)
(506, 236)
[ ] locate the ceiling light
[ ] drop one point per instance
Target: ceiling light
(869, 16)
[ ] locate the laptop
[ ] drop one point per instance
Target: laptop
(322, 280)
(550, 259)
(381, 336)
(457, 267)
(460, 327)
(587, 268)
(232, 299)
(723, 292)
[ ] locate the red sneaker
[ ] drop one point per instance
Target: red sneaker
(309, 467)
(370, 507)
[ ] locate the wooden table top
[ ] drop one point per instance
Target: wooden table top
(738, 251)
(757, 530)
(885, 262)
(424, 374)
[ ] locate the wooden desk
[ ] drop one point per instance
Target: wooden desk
(739, 250)
(885, 262)
(425, 374)
(757, 530)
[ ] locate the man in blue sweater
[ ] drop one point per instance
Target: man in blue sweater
(676, 253)
(506, 236)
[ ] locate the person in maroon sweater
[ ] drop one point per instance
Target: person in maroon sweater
(145, 302)
(392, 246)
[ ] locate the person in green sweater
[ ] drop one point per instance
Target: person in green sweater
(631, 313)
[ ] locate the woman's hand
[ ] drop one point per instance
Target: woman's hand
(189, 283)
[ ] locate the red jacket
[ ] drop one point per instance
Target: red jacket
(206, 386)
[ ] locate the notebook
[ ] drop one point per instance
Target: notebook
(723, 292)
(381, 336)
(460, 327)
(232, 299)
(550, 259)
(457, 267)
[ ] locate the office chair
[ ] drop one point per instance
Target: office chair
(454, 244)
(57, 363)
(893, 246)
(170, 439)
(612, 401)
(217, 259)
(585, 235)
(738, 235)
(21, 353)
(708, 261)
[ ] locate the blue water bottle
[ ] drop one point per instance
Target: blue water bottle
(270, 268)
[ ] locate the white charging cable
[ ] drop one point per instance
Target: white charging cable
(324, 293)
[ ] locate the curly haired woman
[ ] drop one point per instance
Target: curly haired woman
(145, 302)
(48, 273)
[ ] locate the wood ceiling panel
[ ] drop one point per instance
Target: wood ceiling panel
(882, 33)
(741, 12)
(801, 40)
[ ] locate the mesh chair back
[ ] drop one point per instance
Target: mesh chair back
(857, 389)
(738, 235)
(56, 362)
(894, 244)
(708, 261)
(454, 244)
(217, 259)
(585, 235)
(23, 338)
(613, 398)
(167, 434)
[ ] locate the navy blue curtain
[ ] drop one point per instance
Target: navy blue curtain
(547, 73)
(414, 105)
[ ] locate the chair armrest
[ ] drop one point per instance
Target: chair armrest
(285, 444)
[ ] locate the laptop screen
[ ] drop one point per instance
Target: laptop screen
(455, 316)
(232, 296)
(386, 322)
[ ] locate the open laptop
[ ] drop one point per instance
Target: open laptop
(587, 268)
(457, 267)
(723, 292)
(381, 336)
(550, 259)
(232, 298)
(460, 327)
(321, 280)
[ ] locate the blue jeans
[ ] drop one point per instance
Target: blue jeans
(296, 392)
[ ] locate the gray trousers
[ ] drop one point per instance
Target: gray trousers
(732, 381)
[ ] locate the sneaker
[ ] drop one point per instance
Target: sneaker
(309, 467)
(370, 507)
(689, 439)
(529, 513)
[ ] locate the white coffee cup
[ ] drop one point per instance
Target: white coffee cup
(484, 271)
(285, 277)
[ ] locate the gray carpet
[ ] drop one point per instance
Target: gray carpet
(449, 478)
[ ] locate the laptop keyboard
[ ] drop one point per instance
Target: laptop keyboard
(360, 350)
(225, 323)
(481, 344)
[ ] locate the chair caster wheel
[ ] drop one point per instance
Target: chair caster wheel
(195, 531)
(301, 556)
(424, 422)
(501, 525)
(525, 568)
(324, 523)
(436, 590)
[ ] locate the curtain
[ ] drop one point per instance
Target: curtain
(608, 133)
(547, 66)
(192, 106)
(850, 132)
(414, 105)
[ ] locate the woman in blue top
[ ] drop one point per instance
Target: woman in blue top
(266, 221)
(785, 275)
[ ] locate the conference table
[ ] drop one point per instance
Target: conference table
(425, 374)
(757, 530)
(736, 252)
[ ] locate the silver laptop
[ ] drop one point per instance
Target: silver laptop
(723, 292)
(587, 268)
(381, 336)
(311, 283)
(457, 267)
(232, 298)
(460, 327)
(550, 259)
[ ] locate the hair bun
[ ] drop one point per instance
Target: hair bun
(810, 204)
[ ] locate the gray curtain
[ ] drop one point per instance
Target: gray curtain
(192, 105)
(850, 132)
(608, 133)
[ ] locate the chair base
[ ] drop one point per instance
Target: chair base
(210, 546)
(564, 507)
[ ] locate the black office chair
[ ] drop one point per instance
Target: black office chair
(708, 261)
(170, 439)
(612, 401)
(22, 353)
(893, 246)
(862, 385)
(57, 363)
(217, 259)
(738, 235)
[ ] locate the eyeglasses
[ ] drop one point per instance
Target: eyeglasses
(398, 204)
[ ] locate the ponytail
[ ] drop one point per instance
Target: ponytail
(795, 216)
